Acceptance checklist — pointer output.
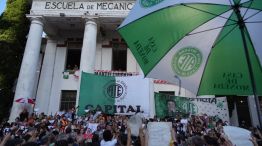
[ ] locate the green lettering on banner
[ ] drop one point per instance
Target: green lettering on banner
(146, 48)
(232, 82)
(190, 107)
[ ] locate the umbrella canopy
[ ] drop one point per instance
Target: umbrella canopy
(212, 47)
(238, 136)
(25, 100)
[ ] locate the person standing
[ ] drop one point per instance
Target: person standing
(24, 115)
(108, 139)
(171, 108)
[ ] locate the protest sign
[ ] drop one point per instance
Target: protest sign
(159, 133)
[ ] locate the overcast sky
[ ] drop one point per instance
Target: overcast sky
(2, 6)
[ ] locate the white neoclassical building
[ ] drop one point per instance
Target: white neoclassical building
(78, 34)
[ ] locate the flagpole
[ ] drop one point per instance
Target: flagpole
(241, 24)
(179, 83)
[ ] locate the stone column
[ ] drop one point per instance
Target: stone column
(27, 75)
(253, 111)
(46, 77)
(88, 53)
(234, 118)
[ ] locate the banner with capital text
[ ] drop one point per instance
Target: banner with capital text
(114, 95)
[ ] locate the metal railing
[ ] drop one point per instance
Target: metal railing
(111, 73)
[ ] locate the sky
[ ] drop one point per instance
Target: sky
(2, 6)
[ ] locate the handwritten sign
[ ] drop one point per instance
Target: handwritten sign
(159, 133)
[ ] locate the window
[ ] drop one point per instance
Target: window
(119, 57)
(68, 100)
(73, 59)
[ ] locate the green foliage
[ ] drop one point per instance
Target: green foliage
(13, 29)
(13, 22)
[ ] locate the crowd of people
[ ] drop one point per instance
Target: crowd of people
(98, 129)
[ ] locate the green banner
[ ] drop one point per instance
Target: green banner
(171, 106)
(92, 95)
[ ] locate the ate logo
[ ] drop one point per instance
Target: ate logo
(116, 89)
(186, 61)
(190, 107)
(149, 3)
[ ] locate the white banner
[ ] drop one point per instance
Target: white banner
(137, 93)
(211, 106)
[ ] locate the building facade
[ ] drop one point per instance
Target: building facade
(79, 35)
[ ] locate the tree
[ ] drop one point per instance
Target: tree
(14, 27)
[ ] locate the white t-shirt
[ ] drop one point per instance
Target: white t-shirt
(184, 122)
(108, 143)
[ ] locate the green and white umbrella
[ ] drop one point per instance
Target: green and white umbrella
(213, 46)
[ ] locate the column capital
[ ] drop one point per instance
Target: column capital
(90, 20)
(37, 20)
